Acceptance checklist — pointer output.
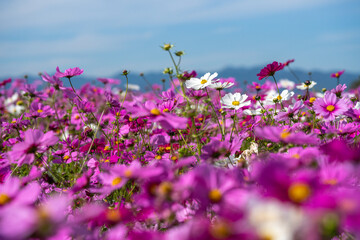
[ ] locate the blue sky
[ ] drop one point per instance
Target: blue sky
(105, 37)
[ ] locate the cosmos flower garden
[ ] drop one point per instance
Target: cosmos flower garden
(203, 159)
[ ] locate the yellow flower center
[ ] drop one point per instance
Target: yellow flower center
(14, 121)
(116, 181)
(174, 158)
(203, 81)
(19, 102)
(66, 157)
(158, 157)
(155, 111)
(337, 74)
(113, 215)
(311, 100)
(168, 148)
(165, 188)
(39, 111)
(299, 192)
(296, 155)
(165, 110)
(220, 230)
(77, 116)
(4, 199)
(128, 173)
(285, 134)
(279, 98)
(330, 108)
(236, 103)
(257, 87)
(215, 196)
(107, 148)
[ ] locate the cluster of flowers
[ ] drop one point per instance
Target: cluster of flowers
(194, 161)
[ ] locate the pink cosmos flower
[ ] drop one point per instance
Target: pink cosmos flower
(279, 134)
(109, 80)
(71, 72)
(270, 70)
(337, 74)
(35, 141)
(330, 106)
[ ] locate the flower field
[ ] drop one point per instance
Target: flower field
(204, 159)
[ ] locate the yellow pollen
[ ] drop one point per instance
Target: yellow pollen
(155, 111)
(330, 108)
(296, 155)
(174, 158)
(128, 173)
(330, 181)
(165, 188)
(66, 157)
(299, 192)
(14, 121)
(166, 110)
(236, 103)
(311, 100)
(158, 157)
(220, 230)
(215, 196)
(279, 98)
(200, 119)
(130, 119)
(113, 215)
(284, 135)
(203, 81)
(221, 110)
(77, 116)
(39, 111)
(337, 74)
(19, 102)
(4, 199)
(118, 114)
(107, 148)
(116, 181)
(257, 87)
(168, 148)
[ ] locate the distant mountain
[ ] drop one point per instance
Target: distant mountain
(241, 74)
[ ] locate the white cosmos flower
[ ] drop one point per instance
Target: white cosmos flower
(252, 111)
(286, 83)
(357, 106)
(235, 101)
(200, 83)
(273, 95)
(304, 86)
(274, 220)
(221, 85)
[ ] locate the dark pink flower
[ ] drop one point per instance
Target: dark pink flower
(270, 70)
(337, 74)
(71, 72)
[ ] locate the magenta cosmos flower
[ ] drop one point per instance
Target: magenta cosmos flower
(270, 70)
(337, 74)
(35, 141)
(71, 72)
(330, 106)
